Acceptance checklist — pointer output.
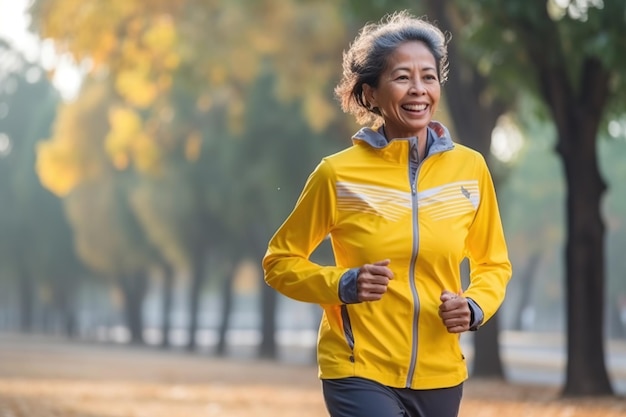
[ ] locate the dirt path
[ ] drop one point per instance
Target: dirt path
(51, 378)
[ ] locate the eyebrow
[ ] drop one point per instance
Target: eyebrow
(408, 69)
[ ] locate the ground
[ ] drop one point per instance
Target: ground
(42, 377)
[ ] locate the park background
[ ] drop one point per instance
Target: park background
(149, 149)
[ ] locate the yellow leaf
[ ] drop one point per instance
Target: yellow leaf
(135, 86)
(161, 36)
(54, 172)
(124, 120)
(74, 153)
(107, 43)
(125, 126)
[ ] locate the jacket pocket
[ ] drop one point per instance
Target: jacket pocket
(347, 330)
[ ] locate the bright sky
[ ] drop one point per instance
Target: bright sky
(14, 28)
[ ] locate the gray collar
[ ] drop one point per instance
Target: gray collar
(438, 138)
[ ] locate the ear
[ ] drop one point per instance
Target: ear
(369, 93)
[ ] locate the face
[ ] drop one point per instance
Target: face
(408, 91)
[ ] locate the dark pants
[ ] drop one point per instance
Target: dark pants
(358, 397)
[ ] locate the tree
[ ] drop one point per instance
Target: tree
(154, 53)
(570, 55)
(36, 240)
(109, 238)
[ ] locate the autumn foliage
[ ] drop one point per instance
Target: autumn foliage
(144, 56)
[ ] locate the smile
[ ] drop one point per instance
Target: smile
(415, 107)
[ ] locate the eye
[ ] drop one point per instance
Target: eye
(402, 77)
(430, 77)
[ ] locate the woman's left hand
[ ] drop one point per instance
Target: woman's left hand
(455, 312)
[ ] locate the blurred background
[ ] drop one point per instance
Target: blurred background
(149, 149)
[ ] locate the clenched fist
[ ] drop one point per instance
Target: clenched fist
(373, 280)
(455, 312)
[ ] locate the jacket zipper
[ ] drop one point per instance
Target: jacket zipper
(412, 284)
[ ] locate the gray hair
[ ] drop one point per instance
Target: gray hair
(367, 57)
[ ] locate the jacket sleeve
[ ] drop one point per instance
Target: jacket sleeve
(286, 264)
(490, 268)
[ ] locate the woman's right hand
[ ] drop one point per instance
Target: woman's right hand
(373, 280)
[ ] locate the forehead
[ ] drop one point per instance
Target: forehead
(413, 53)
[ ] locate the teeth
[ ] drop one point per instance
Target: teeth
(415, 107)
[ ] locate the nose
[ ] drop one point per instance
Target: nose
(417, 88)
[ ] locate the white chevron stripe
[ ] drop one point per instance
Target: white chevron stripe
(382, 201)
(451, 211)
(441, 202)
(450, 200)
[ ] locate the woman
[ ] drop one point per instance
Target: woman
(403, 206)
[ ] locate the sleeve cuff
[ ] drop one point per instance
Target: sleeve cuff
(347, 287)
(477, 315)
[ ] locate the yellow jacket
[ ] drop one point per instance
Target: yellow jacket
(365, 200)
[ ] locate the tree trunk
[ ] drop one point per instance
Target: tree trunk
(197, 280)
(167, 293)
(578, 120)
(586, 369)
(268, 348)
(487, 360)
(227, 306)
(527, 280)
(65, 305)
(69, 322)
(134, 290)
(27, 296)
